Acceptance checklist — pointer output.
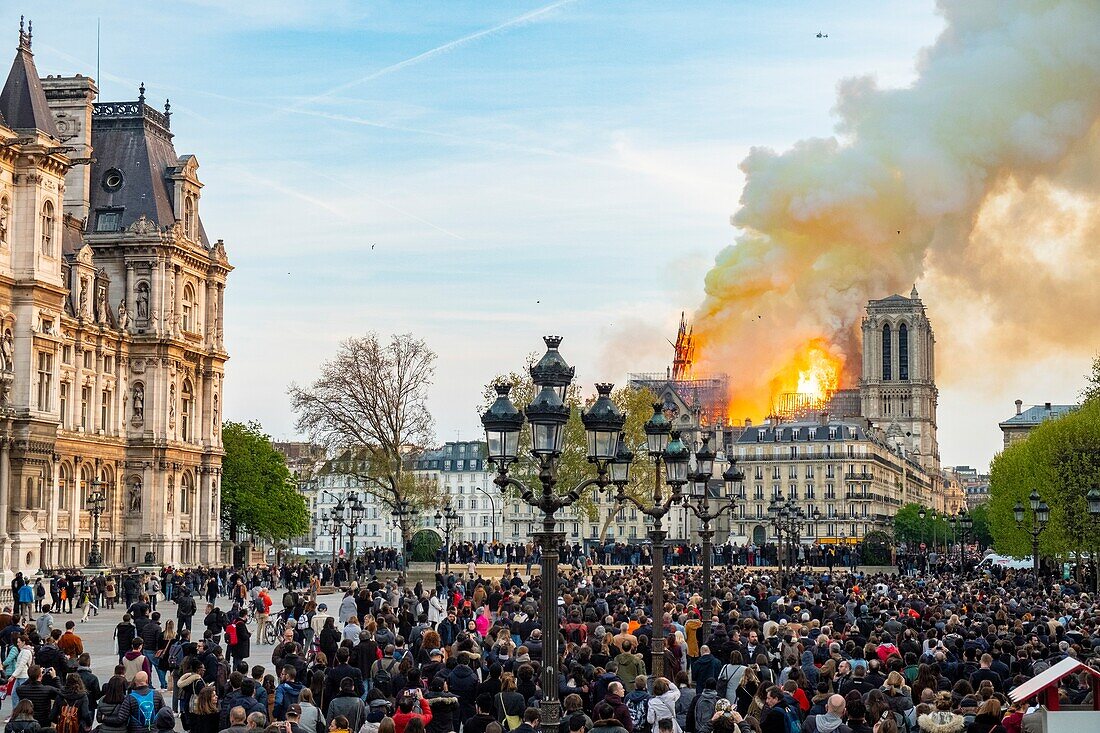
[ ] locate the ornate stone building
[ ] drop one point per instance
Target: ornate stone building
(111, 302)
(898, 385)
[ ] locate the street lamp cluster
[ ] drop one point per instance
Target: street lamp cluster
(787, 520)
(446, 520)
(344, 516)
(607, 449)
(1040, 516)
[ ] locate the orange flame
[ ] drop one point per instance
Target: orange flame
(814, 370)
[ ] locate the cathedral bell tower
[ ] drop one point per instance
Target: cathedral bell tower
(898, 387)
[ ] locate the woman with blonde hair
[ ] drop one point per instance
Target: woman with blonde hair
(941, 719)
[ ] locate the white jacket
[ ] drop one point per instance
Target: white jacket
(22, 663)
(437, 610)
(662, 707)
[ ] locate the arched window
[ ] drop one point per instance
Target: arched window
(188, 307)
(65, 476)
(188, 398)
(186, 485)
(47, 228)
(903, 352)
(886, 361)
(189, 217)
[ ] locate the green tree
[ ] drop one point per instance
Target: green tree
(259, 497)
(981, 531)
(1092, 382)
(933, 530)
(1060, 460)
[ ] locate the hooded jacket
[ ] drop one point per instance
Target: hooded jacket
(664, 706)
(826, 723)
(286, 694)
(622, 713)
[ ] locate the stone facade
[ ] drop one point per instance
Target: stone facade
(111, 302)
(897, 386)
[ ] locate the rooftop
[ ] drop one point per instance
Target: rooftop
(1038, 413)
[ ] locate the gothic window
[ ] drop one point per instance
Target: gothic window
(903, 353)
(47, 228)
(186, 409)
(188, 307)
(886, 362)
(189, 217)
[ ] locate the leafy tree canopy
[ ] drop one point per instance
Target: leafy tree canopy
(1060, 460)
(258, 492)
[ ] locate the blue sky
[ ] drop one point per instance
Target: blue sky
(372, 167)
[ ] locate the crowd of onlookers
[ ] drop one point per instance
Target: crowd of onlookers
(818, 652)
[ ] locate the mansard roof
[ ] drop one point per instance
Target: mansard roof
(23, 101)
(133, 139)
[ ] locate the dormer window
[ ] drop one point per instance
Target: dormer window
(108, 220)
(47, 228)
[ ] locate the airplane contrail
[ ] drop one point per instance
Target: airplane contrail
(430, 53)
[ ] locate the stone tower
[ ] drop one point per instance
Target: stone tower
(898, 386)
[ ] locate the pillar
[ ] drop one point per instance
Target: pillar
(5, 500)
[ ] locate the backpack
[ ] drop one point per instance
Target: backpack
(231, 634)
(792, 721)
(175, 655)
(639, 710)
(193, 701)
(382, 679)
(142, 712)
(69, 719)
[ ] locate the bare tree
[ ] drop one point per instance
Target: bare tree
(371, 399)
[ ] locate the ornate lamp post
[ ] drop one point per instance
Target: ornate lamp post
(922, 513)
(405, 516)
(1040, 516)
(1093, 500)
(786, 521)
(547, 415)
(675, 456)
(699, 504)
(447, 520)
(97, 502)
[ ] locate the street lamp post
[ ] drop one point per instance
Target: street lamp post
(922, 513)
(447, 520)
(97, 502)
(343, 516)
(493, 505)
(786, 521)
(405, 515)
(675, 456)
(1093, 500)
(1040, 516)
(547, 415)
(700, 507)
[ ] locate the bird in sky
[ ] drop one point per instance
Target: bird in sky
(822, 35)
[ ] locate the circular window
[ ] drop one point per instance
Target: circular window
(30, 559)
(112, 179)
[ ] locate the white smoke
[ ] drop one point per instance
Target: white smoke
(956, 178)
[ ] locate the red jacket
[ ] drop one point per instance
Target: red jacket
(401, 719)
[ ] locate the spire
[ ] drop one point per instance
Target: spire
(168, 111)
(141, 93)
(23, 102)
(913, 294)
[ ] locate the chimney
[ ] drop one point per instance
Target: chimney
(1047, 406)
(70, 100)
(1019, 406)
(823, 418)
(748, 422)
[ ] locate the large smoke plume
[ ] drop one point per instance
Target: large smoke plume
(980, 180)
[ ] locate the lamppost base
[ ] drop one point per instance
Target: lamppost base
(549, 714)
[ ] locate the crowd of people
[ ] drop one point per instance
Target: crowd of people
(819, 652)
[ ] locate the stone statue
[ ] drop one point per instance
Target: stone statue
(139, 402)
(143, 301)
(135, 496)
(216, 424)
(7, 351)
(101, 305)
(171, 491)
(123, 315)
(214, 502)
(171, 405)
(83, 297)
